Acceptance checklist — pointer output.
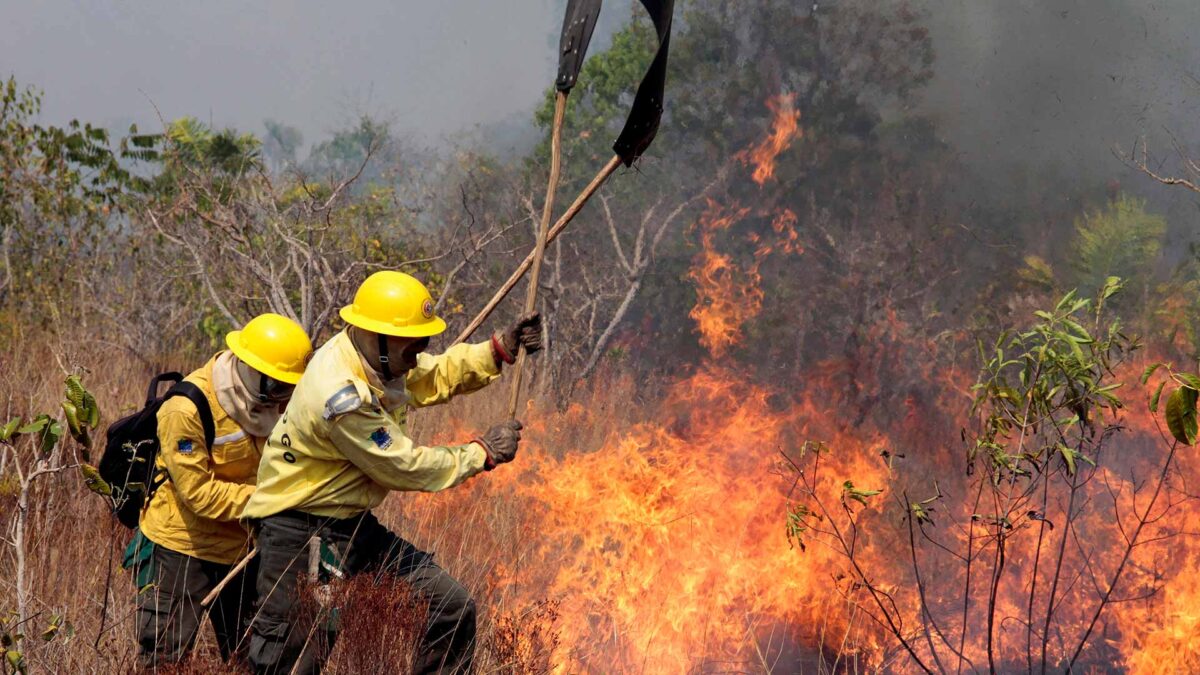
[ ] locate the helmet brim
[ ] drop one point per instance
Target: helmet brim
(434, 326)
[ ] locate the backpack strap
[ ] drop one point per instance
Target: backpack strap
(198, 399)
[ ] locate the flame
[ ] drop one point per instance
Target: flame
(1167, 632)
(666, 543)
(785, 128)
(658, 528)
(726, 295)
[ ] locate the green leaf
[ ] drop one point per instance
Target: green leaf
(1068, 456)
(16, 660)
(75, 391)
(1150, 370)
(797, 525)
(1079, 330)
(1112, 286)
(7, 431)
(52, 629)
(93, 481)
(1181, 415)
(1187, 380)
(1156, 396)
(920, 513)
(50, 435)
(860, 496)
(34, 426)
(1066, 301)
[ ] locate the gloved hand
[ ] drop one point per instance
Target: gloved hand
(526, 332)
(500, 442)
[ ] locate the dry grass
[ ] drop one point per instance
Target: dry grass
(75, 547)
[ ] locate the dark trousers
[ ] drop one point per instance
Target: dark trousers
(169, 612)
(283, 637)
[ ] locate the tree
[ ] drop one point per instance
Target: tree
(854, 192)
(1122, 240)
(57, 188)
(281, 144)
(296, 248)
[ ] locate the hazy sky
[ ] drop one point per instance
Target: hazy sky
(430, 66)
(1061, 82)
(1018, 82)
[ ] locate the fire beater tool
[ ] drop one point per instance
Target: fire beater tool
(578, 24)
(640, 129)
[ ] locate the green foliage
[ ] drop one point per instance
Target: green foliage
(1121, 239)
(189, 147)
(856, 494)
(81, 411)
(1180, 413)
(1037, 273)
(342, 155)
(798, 517)
(194, 145)
(11, 637)
(600, 101)
(281, 142)
(58, 186)
(93, 481)
(1043, 390)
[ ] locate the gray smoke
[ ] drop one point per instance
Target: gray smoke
(1025, 90)
(1035, 90)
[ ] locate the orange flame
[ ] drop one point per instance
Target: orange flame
(726, 296)
(785, 128)
(660, 531)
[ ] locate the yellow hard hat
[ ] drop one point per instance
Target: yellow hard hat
(273, 345)
(393, 303)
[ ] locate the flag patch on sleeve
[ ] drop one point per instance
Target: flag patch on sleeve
(185, 446)
(381, 438)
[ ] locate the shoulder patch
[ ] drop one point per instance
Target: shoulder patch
(381, 438)
(185, 446)
(344, 400)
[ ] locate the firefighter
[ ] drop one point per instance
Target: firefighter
(192, 518)
(341, 446)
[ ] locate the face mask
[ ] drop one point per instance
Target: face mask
(407, 357)
(257, 417)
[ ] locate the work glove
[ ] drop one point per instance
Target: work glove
(527, 332)
(500, 443)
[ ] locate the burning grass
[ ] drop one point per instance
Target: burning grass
(642, 535)
(649, 532)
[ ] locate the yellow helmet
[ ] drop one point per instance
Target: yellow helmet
(273, 345)
(393, 303)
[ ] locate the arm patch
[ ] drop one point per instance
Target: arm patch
(344, 400)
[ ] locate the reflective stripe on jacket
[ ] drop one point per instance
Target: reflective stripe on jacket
(196, 511)
(336, 452)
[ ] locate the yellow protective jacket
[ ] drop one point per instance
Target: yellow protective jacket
(336, 451)
(196, 511)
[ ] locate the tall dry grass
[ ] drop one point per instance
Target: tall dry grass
(75, 547)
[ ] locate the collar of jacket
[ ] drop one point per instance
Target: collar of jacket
(391, 397)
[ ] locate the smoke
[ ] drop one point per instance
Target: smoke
(1032, 90)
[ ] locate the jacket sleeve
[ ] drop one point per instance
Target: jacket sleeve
(188, 461)
(459, 370)
(380, 448)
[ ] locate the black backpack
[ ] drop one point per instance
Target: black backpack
(132, 446)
